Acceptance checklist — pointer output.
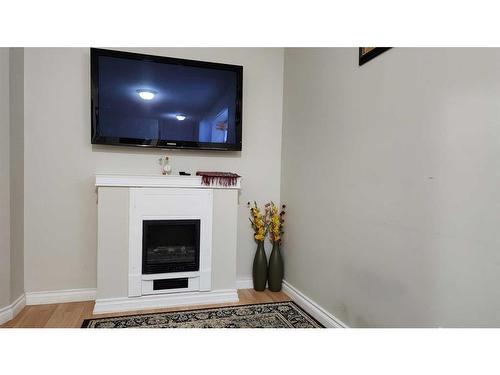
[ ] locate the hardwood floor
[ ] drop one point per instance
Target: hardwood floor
(71, 315)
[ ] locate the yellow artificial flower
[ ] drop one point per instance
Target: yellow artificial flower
(275, 222)
(259, 223)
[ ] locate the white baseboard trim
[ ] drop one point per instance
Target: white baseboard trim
(318, 312)
(244, 283)
(60, 296)
(9, 312)
(107, 305)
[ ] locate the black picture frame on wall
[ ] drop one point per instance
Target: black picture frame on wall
(368, 53)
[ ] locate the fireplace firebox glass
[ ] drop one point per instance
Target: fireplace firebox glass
(170, 246)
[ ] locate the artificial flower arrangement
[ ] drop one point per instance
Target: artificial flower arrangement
(276, 221)
(271, 221)
(260, 222)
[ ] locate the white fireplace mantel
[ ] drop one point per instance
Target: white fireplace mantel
(117, 180)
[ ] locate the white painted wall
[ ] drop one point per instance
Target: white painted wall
(60, 163)
(16, 85)
(4, 180)
(392, 175)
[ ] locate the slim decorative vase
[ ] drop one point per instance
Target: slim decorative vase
(259, 272)
(276, 269)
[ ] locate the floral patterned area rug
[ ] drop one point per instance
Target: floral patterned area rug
(266, 315)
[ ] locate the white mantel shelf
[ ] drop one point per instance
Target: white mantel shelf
(116, 180)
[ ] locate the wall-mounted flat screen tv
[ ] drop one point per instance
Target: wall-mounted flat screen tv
(155, 101)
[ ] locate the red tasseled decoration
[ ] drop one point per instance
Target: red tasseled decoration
(218, 178)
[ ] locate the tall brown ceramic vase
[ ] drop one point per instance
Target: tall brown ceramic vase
(259, 272)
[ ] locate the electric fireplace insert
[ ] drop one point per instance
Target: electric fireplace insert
(170, 246)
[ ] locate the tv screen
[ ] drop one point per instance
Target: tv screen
(154, 101)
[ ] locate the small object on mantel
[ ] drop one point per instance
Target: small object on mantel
(184, 174)
(166, 168)
(218, 178)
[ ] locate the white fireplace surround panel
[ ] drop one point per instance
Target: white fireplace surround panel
(120, 224)
(169, 204)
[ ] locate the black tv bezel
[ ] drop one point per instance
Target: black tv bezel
(96, 139)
